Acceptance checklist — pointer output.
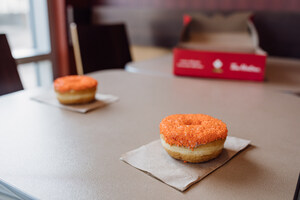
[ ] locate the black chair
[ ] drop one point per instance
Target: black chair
(279, 33)
(297, 191)
(9, 76)
(102, 46)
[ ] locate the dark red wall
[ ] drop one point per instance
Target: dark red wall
(255, 5)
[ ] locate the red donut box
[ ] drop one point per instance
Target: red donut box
(218, 64)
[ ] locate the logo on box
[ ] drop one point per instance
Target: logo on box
(217, 64)
(244, 68)
(190, 63)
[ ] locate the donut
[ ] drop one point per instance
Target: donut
(193, 138)
(75, 89)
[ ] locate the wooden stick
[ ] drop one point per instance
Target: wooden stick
(76, 48)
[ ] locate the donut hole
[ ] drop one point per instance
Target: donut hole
(191, 122)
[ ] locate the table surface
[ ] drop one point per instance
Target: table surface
(280, 72)
(52, 153)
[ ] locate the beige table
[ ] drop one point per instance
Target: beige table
(57, 154)
(282, 73)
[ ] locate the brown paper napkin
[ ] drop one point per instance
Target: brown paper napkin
(49, 97)
(154, 160)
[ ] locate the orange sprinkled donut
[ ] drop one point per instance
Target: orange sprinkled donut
(193, 137)
(75, 89)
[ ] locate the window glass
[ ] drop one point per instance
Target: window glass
(26, 25)
(35, 74)
(15, 23)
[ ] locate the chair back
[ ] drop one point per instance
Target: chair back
(279, 33)
(104, 46)
(9, 76)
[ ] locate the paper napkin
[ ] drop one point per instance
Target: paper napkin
(153, 159)
(9, 192)
(101, 100)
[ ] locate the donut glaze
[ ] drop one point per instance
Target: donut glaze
(74, 82)
(75, 89)
(192, 130)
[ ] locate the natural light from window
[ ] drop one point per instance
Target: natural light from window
(25, 23)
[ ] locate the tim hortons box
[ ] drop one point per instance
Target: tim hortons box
(220, 47)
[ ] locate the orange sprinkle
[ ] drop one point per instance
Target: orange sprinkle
(74, 82)
(192, 130)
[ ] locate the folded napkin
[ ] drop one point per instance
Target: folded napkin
(153, 159)
(49, 97)
(8, 192)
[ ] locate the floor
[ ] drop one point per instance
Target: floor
(140, 53)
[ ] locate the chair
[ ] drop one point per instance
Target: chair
(9, 76)
(279, 33)
(98, 47)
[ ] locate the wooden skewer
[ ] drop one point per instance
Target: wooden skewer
(76, 48)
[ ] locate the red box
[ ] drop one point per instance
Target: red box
(220, 64)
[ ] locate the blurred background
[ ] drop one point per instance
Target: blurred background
(38, 30)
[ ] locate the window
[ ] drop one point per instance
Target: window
(25, 23)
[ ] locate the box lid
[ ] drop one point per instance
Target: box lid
(223, 33)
